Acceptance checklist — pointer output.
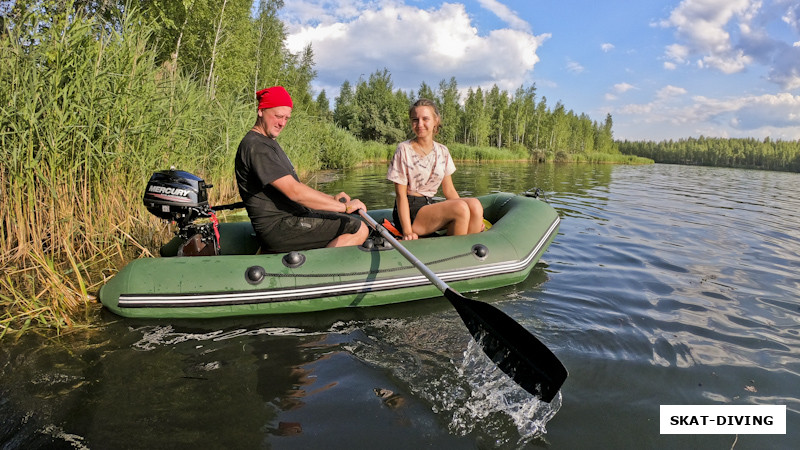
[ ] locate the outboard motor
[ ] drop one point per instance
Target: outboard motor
(181, 197)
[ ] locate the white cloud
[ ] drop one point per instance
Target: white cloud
(768, 115)
(506, 14)
(670, 91)
(732, 35)
(792, 16)
(704, 26)
(739, 42)
(575, 67)
(752, 112)
(322, 12)
(415, 45)
(617, 89)
(785, 71)
(677, 53)
(730, 63)
(621, 88)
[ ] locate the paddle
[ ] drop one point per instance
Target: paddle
(514, 349)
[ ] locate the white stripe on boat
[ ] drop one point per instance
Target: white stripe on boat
(327, 290)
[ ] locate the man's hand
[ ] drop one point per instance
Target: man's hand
(352, 206)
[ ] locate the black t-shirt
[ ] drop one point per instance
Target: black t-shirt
(260, 160)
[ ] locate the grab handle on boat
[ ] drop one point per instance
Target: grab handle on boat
(513, 348)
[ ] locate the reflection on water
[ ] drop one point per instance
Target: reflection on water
(665, 285)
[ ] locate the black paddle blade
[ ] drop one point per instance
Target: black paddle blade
(514, 349)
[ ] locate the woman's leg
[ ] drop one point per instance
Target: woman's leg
(453, 214)
(475, 215)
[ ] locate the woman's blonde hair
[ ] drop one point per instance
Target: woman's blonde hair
(432, 105)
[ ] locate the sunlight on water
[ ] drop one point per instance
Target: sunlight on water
(74, 441)
(158, 336)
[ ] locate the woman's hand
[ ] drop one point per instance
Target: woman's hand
(410, 236)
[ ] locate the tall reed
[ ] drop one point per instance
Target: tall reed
(472, 153)
(607, 158)
(85, 117)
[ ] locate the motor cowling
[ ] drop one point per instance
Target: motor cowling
(178, 196)
(182, 197)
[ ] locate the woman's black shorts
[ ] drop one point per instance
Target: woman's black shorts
(415, 203)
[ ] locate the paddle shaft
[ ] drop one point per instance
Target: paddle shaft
(441, 285)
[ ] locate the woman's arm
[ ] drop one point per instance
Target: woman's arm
(401, 191)
(448, 189)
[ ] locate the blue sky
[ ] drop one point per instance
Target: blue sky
(662, 69)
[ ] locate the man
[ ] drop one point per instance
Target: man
(287, 214)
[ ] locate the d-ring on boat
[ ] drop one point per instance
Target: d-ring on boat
(228, 277)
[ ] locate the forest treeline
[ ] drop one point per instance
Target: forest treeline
(521, 122)
(766, 154)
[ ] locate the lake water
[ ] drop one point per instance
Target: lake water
(666, 285)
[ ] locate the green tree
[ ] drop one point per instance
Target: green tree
(605, 137)
(270, 35)
(208, 39)
(297, 77)
(425, 91)
(450, 110)
(402, 103)
(497, 110)
(377, 109)
(476, 125)
(324, 106)
(521, 113)
(345, 111)
(541, 125)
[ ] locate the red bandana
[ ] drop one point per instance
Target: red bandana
(272, 97)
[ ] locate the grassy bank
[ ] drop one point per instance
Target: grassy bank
(605, 158)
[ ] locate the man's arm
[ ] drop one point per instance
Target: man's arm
(314, 199)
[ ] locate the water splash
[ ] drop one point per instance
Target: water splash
(492, 402)
(466, 389)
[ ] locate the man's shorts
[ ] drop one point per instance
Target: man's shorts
(315, 229)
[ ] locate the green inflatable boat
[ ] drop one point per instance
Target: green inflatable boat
(214, 270)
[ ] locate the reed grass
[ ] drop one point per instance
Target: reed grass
(608, 158)
(85, 117)
(473, 153)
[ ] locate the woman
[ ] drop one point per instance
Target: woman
(418, 168)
